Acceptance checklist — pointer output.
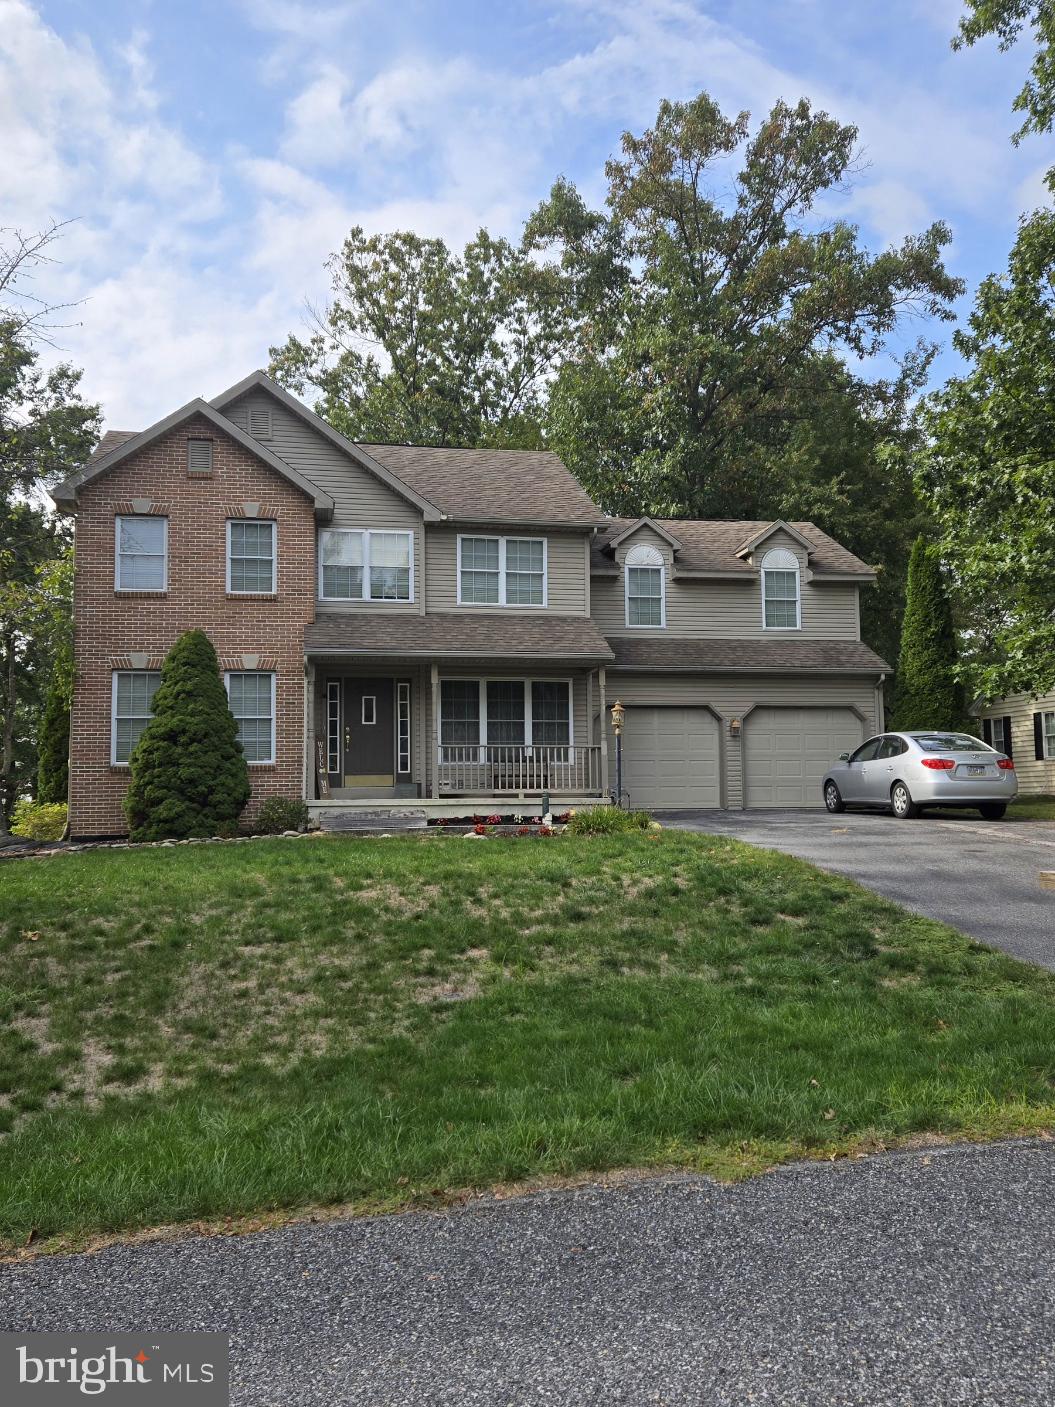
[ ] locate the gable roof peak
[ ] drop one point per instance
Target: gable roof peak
(654, 524)
(778, 525)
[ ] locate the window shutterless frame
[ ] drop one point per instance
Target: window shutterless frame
(262, 522)
(1049, 737)
(131, 674)
(644, 561)
(503, 571)
(264, 673)
(781, 562)
(365, 534)
(526, 684)
(118, 554)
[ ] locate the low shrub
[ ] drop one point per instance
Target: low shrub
(39, 820)
(280, 813)
(607, 820)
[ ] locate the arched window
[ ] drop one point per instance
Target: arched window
(643, 570)
(780, 590)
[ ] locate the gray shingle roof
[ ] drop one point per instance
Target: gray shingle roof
(110, 441)
(481, 485)
(751, 656)
(541, 635)
(710, 545)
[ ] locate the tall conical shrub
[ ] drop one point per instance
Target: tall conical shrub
(189, 776)
(927, 693)
(53, 746)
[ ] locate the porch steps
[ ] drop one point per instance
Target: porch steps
(360, 819)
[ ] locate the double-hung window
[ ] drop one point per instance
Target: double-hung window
(505, 713)
(643, 570)
(132, 709)
(780, 590)
(141, 554)
(1049, 736)
(363, 564)
(502, 571)
(251, 696)
(250, 556)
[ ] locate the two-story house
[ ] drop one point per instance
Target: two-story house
(1023, 726)
(446, 629)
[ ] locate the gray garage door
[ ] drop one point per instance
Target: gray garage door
(788, 750)
(670, 758)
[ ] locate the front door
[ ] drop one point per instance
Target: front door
(369, 733)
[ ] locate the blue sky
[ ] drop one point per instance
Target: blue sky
(213, 154)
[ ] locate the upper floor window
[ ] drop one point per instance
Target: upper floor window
(781, 608)
(142, 554)
(250, 556)
(643, 571)
(132, 710)
(252, 700)
(502, 571)
(364, 565)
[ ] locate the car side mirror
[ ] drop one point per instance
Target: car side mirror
(844, 757)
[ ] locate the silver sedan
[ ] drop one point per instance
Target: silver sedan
(905, 772)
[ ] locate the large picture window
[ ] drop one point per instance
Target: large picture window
(250, 557)
(252, 699)
(360, 564)
(645, 604)
(133, 700)
(505, 713)
(502, 571)
(780, 590)
(142, 554)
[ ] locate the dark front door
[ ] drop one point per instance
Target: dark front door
(369, 733)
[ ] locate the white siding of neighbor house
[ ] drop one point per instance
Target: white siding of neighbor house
(727, 609)
(360, 499)
(1034, 778)
(566, 578)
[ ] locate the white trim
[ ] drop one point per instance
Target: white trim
(274, 557)
(372, 720)
(650, 559)
(526, 681)
(257, 761)
(763, 570)
(113, 709)
(1048, 734)
(502, 587)
(366, 534)
(403, 752)
(120, 518)
(333, 735)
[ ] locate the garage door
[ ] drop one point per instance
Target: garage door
(788, 750)
(670, 758)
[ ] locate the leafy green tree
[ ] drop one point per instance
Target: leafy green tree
(1005, 20)
(928, 693)
(424, 346)
(53, 748)
(987, 471)
(189, 774)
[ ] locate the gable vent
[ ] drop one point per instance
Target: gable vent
(199, 457)
(260, 422)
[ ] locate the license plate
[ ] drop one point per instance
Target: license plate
(976, 771)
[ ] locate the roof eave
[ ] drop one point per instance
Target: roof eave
(779, 525)
(394, 652)
(636, 526)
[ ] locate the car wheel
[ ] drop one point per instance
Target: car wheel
(993, 810)
(901, 803)
(833, 798)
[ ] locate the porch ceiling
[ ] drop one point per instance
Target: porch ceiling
(466, 635)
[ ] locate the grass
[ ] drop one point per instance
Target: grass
(1032, 808)
(213, 1031)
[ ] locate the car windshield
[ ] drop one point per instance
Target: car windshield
(949, 742)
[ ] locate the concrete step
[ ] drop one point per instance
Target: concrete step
(348, 818)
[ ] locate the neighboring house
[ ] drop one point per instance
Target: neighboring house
(450, 625)
(1024, 728)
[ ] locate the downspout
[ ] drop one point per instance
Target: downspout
(880, 709)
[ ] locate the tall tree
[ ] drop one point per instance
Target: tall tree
(987, 470)
(424, 346)
(715, 316)
(1005, 20)
(928, 692)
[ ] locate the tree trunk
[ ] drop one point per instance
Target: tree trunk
(7, 758)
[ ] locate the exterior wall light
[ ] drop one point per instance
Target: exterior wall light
(734, 727)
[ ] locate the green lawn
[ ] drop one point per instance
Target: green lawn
(206, 1031)
(1032, 808)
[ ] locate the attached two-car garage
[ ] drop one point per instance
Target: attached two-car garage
(788, 750)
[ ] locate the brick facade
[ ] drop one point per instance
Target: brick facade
(122, 630)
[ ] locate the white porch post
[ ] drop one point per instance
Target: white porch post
(309, 732)
(604, 731)
(434, 751)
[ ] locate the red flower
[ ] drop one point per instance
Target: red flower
(523, 830)
(545, 830)
(479, 828)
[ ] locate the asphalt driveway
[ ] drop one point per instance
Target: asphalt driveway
(979, 876)
(921, 1277)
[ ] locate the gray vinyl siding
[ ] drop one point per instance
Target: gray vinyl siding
(360, 500)
(733, 696)
(566, 574)
(727, 609)
(1034, 778)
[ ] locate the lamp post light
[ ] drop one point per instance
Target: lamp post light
(618, 715)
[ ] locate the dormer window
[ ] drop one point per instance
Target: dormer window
(644, 575)
(781, 605)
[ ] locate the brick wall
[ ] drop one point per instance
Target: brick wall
(111, 627)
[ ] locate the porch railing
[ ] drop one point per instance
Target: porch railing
(511, 770)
